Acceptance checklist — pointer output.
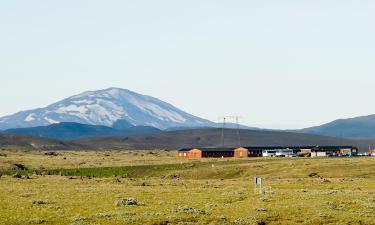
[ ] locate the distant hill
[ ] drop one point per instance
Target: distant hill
(173, 140)
(212, 138)
(113, 106)
(216, 125)
(354, 128)
(36, 143)
(72, 131)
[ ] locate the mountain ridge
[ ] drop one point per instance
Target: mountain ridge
(105, 107)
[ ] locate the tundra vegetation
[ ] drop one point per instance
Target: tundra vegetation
(154, 187)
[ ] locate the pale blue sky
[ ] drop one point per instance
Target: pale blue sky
(278, 64)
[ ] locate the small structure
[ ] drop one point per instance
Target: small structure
(306, 152)
(241, 153)
(346, 152)
(315, 154)
(269, 153)
(258, 184)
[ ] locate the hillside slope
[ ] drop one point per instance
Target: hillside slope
(354, 128)
(71, 131)
(30, 142)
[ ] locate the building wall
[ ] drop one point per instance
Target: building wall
(182, 154)
(241, 153)
(305, 151)
(255, 153)
(217, 154)
(318, 154)
(345, 150)
(268, 154)
(195, 154)
(192, 154)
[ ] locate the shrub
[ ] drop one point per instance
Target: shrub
(20, 166)
(51, 154)
(163, 222)
(104, 215)
(240, 222)
(314, 175)
(128, 202)
(261, 210)
(190, 210)
(40, 202)
(17, 175)
(78, 218)
(37, 221)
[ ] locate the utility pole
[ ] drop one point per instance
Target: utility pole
(238, 131)
(222, 132)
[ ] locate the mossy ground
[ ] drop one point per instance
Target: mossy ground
(208, 192)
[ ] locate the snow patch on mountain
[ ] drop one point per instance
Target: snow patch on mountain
(105, 107)
(157, 111)
(51, 121)
(30, 117)
(78, 102)
(72, 109)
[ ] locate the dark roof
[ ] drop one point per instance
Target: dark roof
(209, 149)
(300, 147)
(219, 149)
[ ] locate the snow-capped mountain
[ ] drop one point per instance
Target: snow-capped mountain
(106, 107)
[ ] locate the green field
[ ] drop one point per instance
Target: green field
(144, 187)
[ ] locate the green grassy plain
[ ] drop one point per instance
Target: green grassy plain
(84, 187)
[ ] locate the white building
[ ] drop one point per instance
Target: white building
(278, 153)
(315, 154)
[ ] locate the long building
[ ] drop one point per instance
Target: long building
(198, 153)
(242, 152)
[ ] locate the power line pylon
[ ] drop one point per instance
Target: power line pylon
(237, 121)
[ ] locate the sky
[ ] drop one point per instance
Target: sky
(277, 64)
